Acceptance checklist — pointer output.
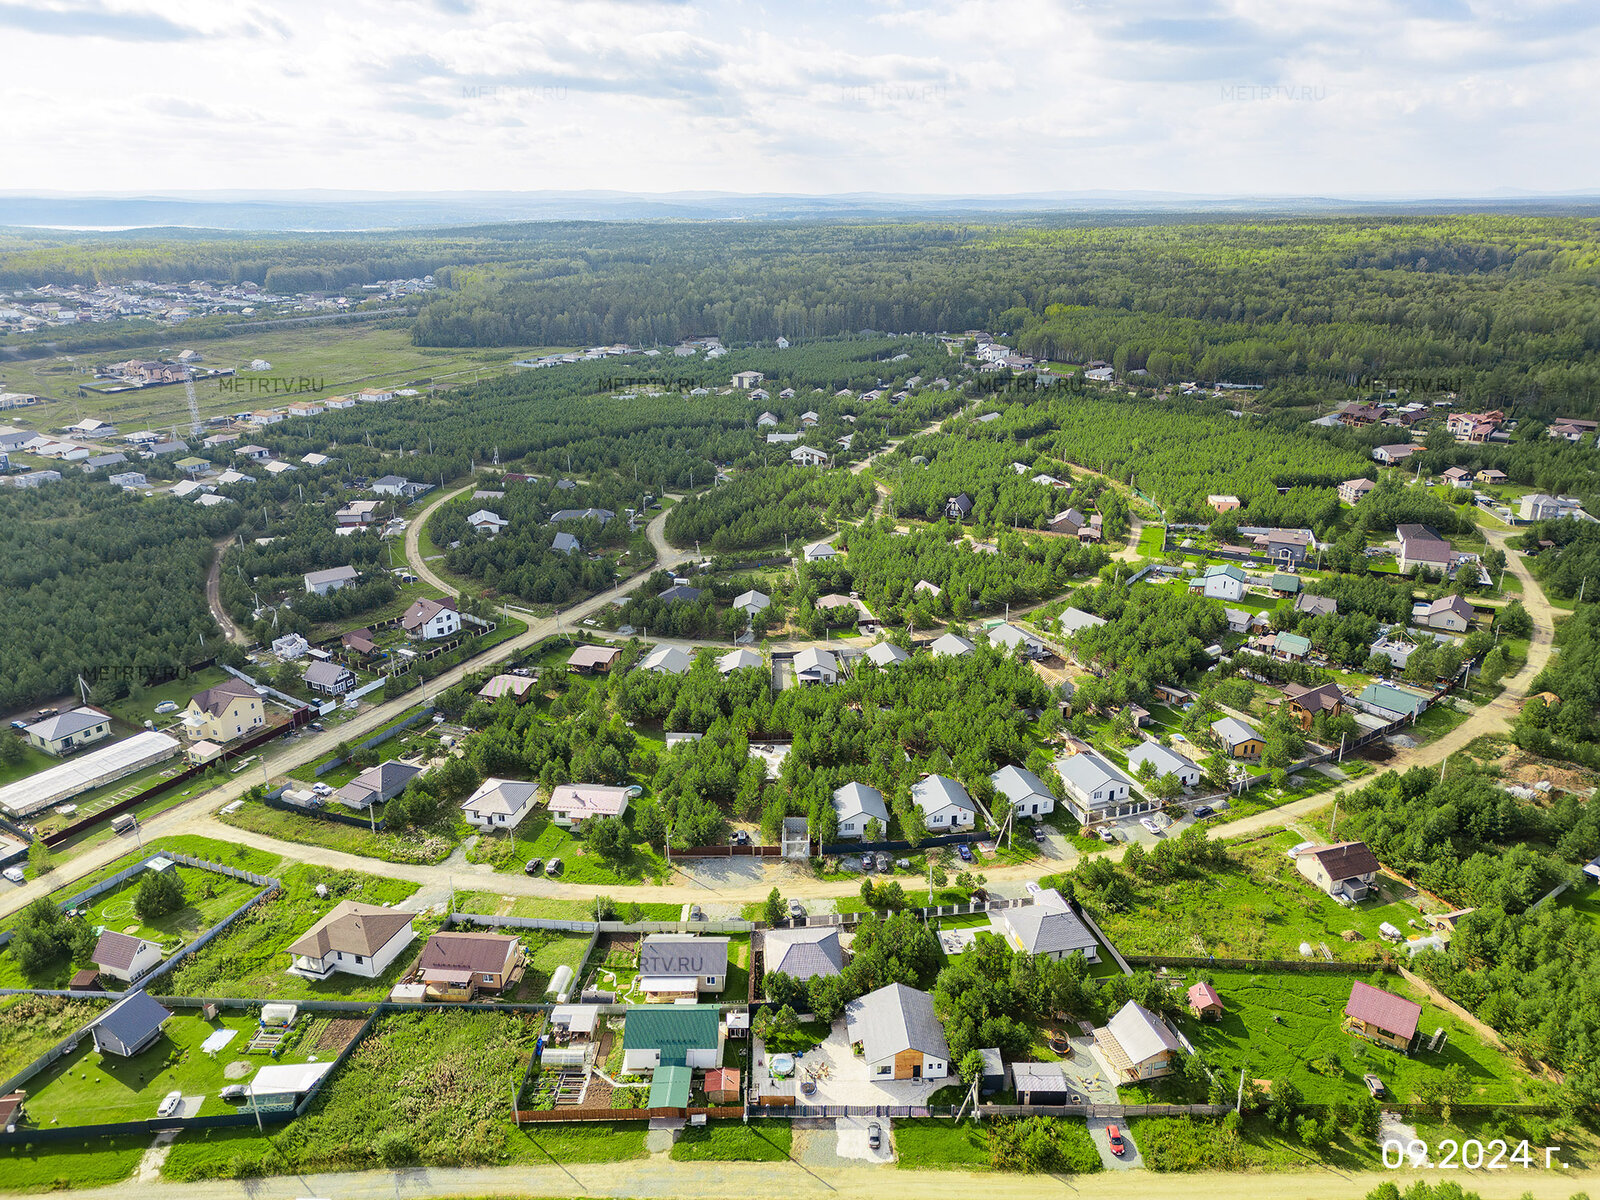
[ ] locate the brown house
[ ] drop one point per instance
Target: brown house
(1381, 1016)
(1342, 869)
(1204, 1002)
(592, 660)
(1306, 702)
(457, 966)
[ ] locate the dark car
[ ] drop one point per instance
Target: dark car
(866, 864)
(1038, 834)
(533, 866)
(1114, 1136)
(965, 851)
(1204, 811)
(874, 1136)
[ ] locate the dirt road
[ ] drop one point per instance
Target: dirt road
(414, 540)
(214, 594)
(659, 1176)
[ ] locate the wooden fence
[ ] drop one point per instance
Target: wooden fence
(534, 1116)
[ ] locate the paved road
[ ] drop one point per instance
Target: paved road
(661, 1177)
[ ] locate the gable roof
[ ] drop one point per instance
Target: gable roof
(1017, 783)
(853, 798)
(673, 1029)
(1391, 1013)
(331, 575)
(1344, 860)
(886, 653)
(682, 954)
(1456, 604)
(326, 673)
(424, 610)
(1322, 698)
(951, 645)
(1074, 619)
(67, 724)
(937, 792)
(352, 928)
(1228, 569)
(1087, 772)
(134, 1019)
(894, 1019)
(1166, 761)
(1317, 606)
(1381, 695)
(215, 700)
(480, 953)
(594, 656)
(1203, 995)
(1141, 1034)
(1234, 731)
(803, 953)
(118, 950)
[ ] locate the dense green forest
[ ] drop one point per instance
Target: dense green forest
(761, 507)
(96, 580)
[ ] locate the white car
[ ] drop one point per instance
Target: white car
(167, 706)
(14, 874)
(1033, 888)
(170, 1104)
(322, 789)
(1150, 824)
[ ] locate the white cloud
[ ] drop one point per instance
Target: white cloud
(1344, 97)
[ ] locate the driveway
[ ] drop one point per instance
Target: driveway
(852, 1133)
(1130, 1160)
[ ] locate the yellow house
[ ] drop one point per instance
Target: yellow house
(219, 714)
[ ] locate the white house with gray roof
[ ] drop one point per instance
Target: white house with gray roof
(855, 804)
(899, 1035)
(802, 953)
(1096, 790)
(1165, 761)
(500, 803)
(1025, 791)
(944, 803)
(1075, 619)
(1047, 927)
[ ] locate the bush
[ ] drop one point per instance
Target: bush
(160, 893)
(1038, 1145)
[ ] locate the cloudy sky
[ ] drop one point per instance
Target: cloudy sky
(1336, 97)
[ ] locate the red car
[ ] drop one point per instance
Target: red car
(1114, 1136)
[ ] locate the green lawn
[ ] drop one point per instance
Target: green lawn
(88, 1088)
(1258, 907)
(929, 1143)
(429, 845)
(33, 761)
(547, 949)
(540, 837)
(1585, 901)
(139, 705)
(1288, 1026)
(1172, 1144)
(59, 1166)
(731, 1141)
(30, 1025)
(211, 897)
(558, 910)
(252, 958)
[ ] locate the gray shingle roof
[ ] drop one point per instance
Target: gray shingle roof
(1016, 783)
(893, 1019)
(855, 798)
(938, 792)
(133, 1020)
(803, 953)
(1047, 929)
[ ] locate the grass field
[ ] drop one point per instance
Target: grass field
(252, 958)
(139, 705)
(540, 837)
(1288, 1026)
(1585, 901)
(33, 761)
(729, 1141)
(211, 897)
(61, 1165)
(931, 1143)
(30, 1025)
(1260, 907)
(402, 846)
(558, 910)
(88, 1088)
(1170, 1144)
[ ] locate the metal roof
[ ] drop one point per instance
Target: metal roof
(893, 1019)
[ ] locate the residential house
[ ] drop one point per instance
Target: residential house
(752, 602)
(1359, 415)
(1282, 585)
(500, 803)
(808, 456)
(1137, 1044)
(951, 645)
(1422, 547)
(1354, 491)
(802, 953)
(1239, 620)
(1304, 703)
(1391, 455)
(320, 583)
(1224, 582)
(1381, 1016)
(886, 654)
(601, 515)
(1453, 614)
(1224, 503)
(745, 380)
(1317, 606)
(944, 803)
(1286, 547)
(101, 462)
(390, 485)
(593, 660)
(571, 804)
(220, 714)
(1023, 790)
(680, 593)
(129, 1026)
(484, 521)
(516, 686)
(854, 804)
(1539, 507)
(899, 1035)
(428, 619)
(330, 678)
(1204, 1002)
(1291, 647)
(818, 551)
(1165, 762)
(667, 660)
(1009, 637)
(1074, 619)
(1491, 476)
(1345, 870)
(377, 784)
(566, 543)
(66, 732)
(355, 938)
(740, 660)
(671, 1035)
(1458, 477)
(123, 957)
(131, 481)
(1047, 928)
(1238, 739)
(675, 966)
(1041, 1083)
(1390, 703)
(767, 420)
(1570, 431)
(358, 512)
(1096, 790)
(816, 666)
(253, 452)
(959, 507)
(458, 964)
(359, 642)
(1473, 427)
(1070, 522)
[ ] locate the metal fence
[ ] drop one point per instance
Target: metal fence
(1305, 965)
(377, 739)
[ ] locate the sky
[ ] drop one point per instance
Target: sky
(1429, 98)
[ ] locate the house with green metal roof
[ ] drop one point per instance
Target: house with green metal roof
(1391, 702)
(1285, 585)
(1292, 646)
(671, 1035)
(1224, 582)
(669, 1087)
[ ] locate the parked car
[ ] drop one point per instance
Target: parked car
(1033, 888)
(903, 863)
(874, 1136)
(322, 789)
(738, 838)
(965, 851)
(867, 863)
(696, 913)
(1150, 824)
(1114, 1136)
(796, 910)
(883, 861)
(1374, 1085)
(533, 867)
(19, 724)
(1038, 833)
(1108, 835)
(553, 867)
(170, 1103)
(235, 1091)
(49, 712)
(14, 874)
(1204, 811)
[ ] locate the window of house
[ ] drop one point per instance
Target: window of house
(487, 977)
(711, 979)
(885, 1070)
(359, 959)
